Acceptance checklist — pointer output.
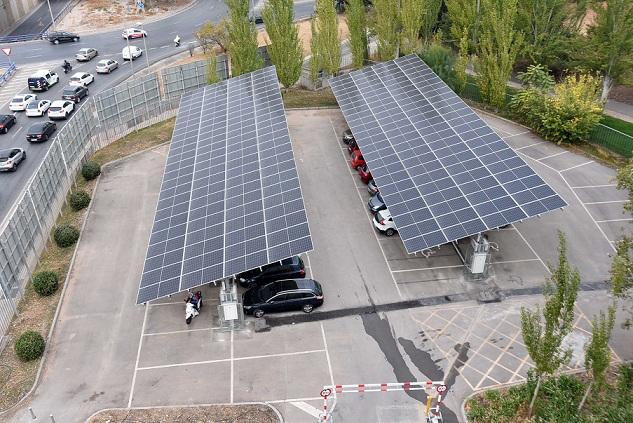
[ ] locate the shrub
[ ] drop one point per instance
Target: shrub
(29, 346)
(79, 200)
(65, 235)
(45, 283)
(90, 170)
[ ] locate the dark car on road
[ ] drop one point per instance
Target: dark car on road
(6, 122)
(283, 295)
(376, 203)
(41, 131)
(292, 267)
(11, 158)
(57, 37)
(74, 93)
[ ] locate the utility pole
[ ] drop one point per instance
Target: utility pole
(51, 12)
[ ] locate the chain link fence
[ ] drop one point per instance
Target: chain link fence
(106, 117)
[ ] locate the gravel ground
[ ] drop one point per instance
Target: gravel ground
(256, 413)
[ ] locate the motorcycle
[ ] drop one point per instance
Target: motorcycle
(177, 41)
(193, 306)
(67, 67)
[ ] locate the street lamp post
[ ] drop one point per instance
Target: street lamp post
(140, 24)
(127, 39)
(51, 12)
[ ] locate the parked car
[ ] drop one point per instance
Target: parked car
(372, 188)
(11, 158)
(365, 174)
(357, 159)
(20, 101)
(376, 203)
(61, 109)
(133, 33)
(347, 136)
(292, 267)
(41, 131)
(283, 295)
(86, 54)
(74, 93)
(131, 52)
(352, 146)
(107, 65)
(384, 222)
(37, 108)
(42, 80)
(57, 37)
(6, 122)
(82, 79)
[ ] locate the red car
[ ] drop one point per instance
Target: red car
(357, 159)
(365, 174)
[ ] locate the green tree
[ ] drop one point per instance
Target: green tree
(386, 27)
(210, 35)
(622, 271)
(357, 25)
(285, 51)
(212, 67)
(610, 48)
(497, 49)
(411, 16)
(597, 352)
(624, 180)
(242, 36)
(543, 334)
(441, 60)
(537, 76)
(326, 46)
(430, 17)
(463, 15)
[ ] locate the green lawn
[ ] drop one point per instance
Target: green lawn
(618, 124)
(295, 98)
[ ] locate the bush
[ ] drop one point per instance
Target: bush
(79, 200)
(45, 283)
(90, 170)
(29, 346)
(65, 235)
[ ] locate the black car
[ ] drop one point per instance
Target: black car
(6, 122)
(292, 267)
(57, 37)
(74, 93)
(283, 295)
(376, 203)
(11, 158)
(347, 136)
(41, 131)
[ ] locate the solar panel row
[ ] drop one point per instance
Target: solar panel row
(442, 171)
(230, 199)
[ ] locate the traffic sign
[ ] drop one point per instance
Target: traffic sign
(326, 392)
(7, 50)
(441, 389)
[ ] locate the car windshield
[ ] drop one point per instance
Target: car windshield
(38, 127)
(17, 100)
(54, 109)
(83, 51)
(69, 92)
(32, 105)
(103, 63)
(5, 154)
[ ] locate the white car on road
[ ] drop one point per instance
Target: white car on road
(81, 79)
(61, 109)
(19, 102)
(384, 222)
(37, 108)
(131, 52)
(107, 65)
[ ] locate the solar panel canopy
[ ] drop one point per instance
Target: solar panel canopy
(230, 199)
(443, 173)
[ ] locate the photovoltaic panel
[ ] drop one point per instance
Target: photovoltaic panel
(230, 200)
(443, 173)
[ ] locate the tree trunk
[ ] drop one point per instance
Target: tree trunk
(534, 395)
(584, 397)
(607, 84)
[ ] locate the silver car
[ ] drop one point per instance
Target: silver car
(11, 158)
(86, 54)
(107, 66)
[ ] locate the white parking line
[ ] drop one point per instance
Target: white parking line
(614, 220)
(456, 266)
(607, 202)
(294, 400)
(553, 155)
(595, 186)
(516, 135)
(138, 357)
(232, 366)
(173, 332)
(327, 355)
(531, 145)
(307, 408)
(578, 165)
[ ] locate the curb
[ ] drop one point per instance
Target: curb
(57, 310)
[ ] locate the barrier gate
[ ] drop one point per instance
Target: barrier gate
(434, 390)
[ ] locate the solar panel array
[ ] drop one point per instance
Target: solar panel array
(230, 199)
(443, 173)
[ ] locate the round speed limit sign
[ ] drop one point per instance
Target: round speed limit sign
(441, 389)
(326, 392)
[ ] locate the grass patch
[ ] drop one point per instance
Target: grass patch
(35, 312)
(618, 124)
(297, 98)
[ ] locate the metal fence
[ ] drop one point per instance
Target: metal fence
(612, 139)
(108, 116)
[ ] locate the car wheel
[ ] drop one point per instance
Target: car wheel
(56, 42)
(75, 39)
(45, 138)
(390, 232)
(307, 308)
(14, 167)
(24, 156)
(5, 130)
(258, 313)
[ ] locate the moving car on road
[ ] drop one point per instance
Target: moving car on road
(132, 33)
(131, 52)
(57, 37)
(81, 79)
(384, 222)
(6, 122)
(42, 80)
(11, 158)
(41, 131)
(61, 109)
(37, 108)
(283, 295)
(86, 54)
(292, 267)
(107, 65)
(20, 101)
(74, 93)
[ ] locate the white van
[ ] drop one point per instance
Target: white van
(131, 52)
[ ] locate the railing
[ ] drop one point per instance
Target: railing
(612, 139)
(109, 115)
(7, 74)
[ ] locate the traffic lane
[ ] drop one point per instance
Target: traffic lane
(40, 19)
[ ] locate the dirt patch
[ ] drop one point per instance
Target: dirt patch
(304, 30)
(622, 93)
(212, 414)
(107, 14)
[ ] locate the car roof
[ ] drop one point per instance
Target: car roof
(79, 74)
(5, 116)
(385, 213)
(60, 102)
(39, 73)
(20, 95)
(37, 126)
